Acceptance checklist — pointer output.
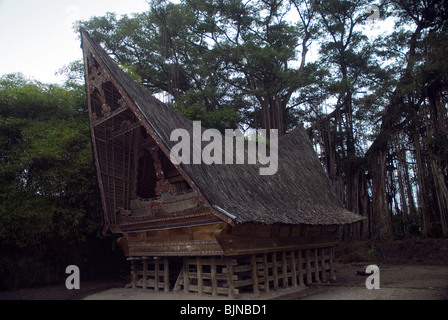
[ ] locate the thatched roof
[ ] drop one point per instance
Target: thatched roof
(299, 193)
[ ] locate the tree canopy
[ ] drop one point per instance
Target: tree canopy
(49, 204)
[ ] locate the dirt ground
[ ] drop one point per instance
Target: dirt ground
(408, 271)
(397, 282)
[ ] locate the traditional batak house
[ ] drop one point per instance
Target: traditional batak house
(205, 228)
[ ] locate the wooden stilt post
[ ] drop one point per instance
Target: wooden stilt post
(231, 293)
(179, 281)
(300, 262)
(253, 262)
(199, 274)
(266, 272)
(324, 275)
(274, 270)
(166, 275)
(293, 268)
(156, 273)
(133, 272)
(316, 265)
(186, 276)
(145, 272)
(284, 270)
(309, 278)
(332, 275)
(213, 277)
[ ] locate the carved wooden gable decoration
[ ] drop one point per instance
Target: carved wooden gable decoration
(136, 178)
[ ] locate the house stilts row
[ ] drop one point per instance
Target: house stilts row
(218, 229)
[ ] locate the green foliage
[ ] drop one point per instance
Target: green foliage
(372, 253)
(48, 191)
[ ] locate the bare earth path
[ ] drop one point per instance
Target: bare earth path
(409, 270)
(397, 282)
(409, 282)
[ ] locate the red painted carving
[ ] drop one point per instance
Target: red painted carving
(164, 186)
(155, 207)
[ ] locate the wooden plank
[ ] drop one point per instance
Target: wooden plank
(219, 290)
(300, 265)
(150, 284)
(256, 231)
(253, 262)
(309, 279)
(186, 275)
(179, 281)
(231, 293)
(236, 244)
(156, 273)
(274, 270)
(123, 131)
(166, 275)
(208, 275)
(243, 268)
(199, 274)
(243, 283)
(293, 268)
(332, 274)
(284, 270)
(160, 221)
(145, 272)
(179, 248)
(133, 272)
(213, 276)
(316, 265)
(266, 272)
(322, 261)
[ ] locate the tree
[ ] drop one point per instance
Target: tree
(352, 82)
(397, 79)
(257, 46)
(236, 60)
(46, 161)
(417, 106)
(48, 194)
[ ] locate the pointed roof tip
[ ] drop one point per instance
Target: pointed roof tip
(83, 32)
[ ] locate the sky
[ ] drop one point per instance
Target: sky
(37, 36)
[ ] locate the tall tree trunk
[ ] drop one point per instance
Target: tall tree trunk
(272, 114)
(437, 126)
(401, 160)
(381, 224)
(422, 194)
(441, 191)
